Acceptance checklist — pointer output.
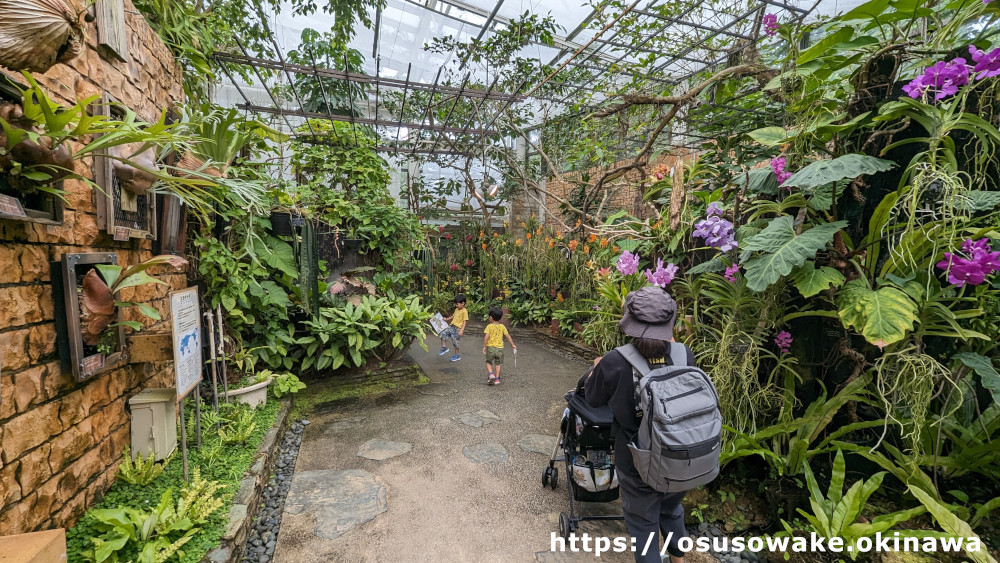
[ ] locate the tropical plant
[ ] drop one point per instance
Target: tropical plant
(286, 384)
(157, 535)
(100, 288)
(142, 471)
(836, 513)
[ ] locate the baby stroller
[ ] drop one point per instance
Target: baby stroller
(587, 443)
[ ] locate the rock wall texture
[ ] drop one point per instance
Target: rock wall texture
(60, 440)
(620, 197)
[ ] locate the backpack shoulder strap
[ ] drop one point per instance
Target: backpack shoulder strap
(634, 358)
(678, 354)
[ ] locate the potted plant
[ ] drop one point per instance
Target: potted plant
(253, 390)
(99, 304)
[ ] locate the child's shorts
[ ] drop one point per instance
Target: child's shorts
(450, 333)
(494, 355)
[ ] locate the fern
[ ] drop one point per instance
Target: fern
(143, 470)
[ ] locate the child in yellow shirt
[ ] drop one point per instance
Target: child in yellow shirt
(455, 331)
(493, 345)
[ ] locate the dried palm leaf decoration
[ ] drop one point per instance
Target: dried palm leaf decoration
(37, 34)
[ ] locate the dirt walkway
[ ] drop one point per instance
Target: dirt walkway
(431, 501)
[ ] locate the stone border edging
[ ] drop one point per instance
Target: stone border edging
(246, 502)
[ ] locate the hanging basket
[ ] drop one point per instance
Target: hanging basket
(37, 34)
(191, 163)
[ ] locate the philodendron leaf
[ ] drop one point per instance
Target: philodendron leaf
(782, 250)
(983, 367)
(810, 280)
(952, 524)
(758, 180)
(882, 316)
(844, 167)
(769, 136)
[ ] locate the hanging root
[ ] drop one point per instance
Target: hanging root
(906, 380)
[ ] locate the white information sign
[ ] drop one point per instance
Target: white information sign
(185, 324)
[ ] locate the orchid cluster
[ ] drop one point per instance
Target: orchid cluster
(731, 272)
(663, 275)
(784, 341)
(944, 79)
(778, 165)
(717, 232)
(977, 261)
(987, 64)
(771, 25)
(628, 263)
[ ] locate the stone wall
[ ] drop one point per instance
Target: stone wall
(60, 440)
(627, 197)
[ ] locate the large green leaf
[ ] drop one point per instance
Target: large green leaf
(952, 524)
(823, 46)
(841, 168)
(810, 280)
(782, 250)
(758, 180)
(983, 367)
(979, 200)
(882, 316)
(769, 136)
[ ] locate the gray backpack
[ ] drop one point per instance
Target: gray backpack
(680, 427)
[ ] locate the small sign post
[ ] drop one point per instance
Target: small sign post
(185, 325)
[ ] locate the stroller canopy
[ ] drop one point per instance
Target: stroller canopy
(600, 416)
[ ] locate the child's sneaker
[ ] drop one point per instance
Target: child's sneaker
(492, 379)
(456, 358)
(496, 380)
(442, 351)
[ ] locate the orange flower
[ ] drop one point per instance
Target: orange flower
(578, 221)
(495, 235)
(539, 231)
(604, 243)
(573, 244)
(527, 236)
(592, 238)
(524, 225)
(615, 249)
(560, 298)
(588, 263)
(484, 246)
(558, 234)
(586, 249)
(482, 234)
(552, 244)
(518, 242)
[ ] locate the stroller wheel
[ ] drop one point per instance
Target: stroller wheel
(554, 478)
(545, 476)
(564, 525)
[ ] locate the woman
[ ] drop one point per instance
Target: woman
(649, 319)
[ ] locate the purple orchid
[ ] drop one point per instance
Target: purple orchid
(942, 78)
(771, 25)
(784, 341)
(717, 232)
(979, 261)
(987, 64)
(731, 272)
(628, 263)
(663, 275)
(778, 165)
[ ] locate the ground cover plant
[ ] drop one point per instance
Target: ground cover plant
(161, 518)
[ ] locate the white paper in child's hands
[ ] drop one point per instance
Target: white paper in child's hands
(438, 323)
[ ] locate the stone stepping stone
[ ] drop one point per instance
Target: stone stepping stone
(437, 389)
(477, 419)
(380, 450)
(486, 453)
(538, 443)
(340, 500)
(344, 424)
